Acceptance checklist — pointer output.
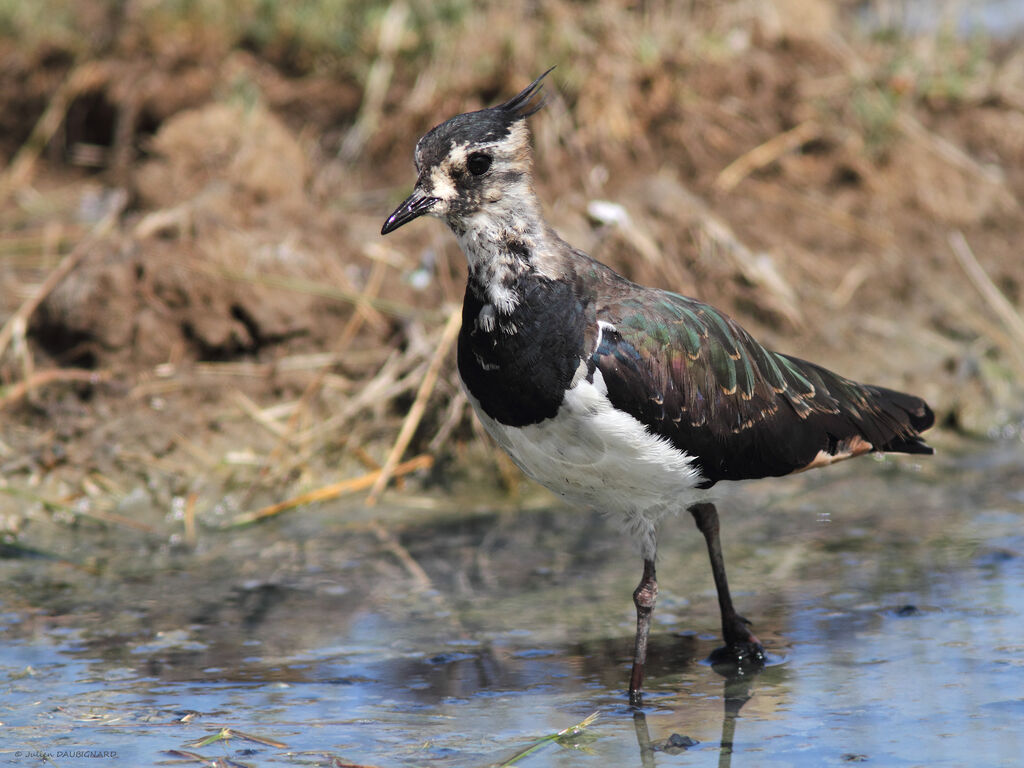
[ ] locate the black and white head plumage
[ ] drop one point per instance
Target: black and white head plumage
(481, 128)
(472, 160)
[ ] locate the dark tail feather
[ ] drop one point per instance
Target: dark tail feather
(889, 420)
(910, 412)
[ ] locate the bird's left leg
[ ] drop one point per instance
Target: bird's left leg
(741, 645)
(644, 597)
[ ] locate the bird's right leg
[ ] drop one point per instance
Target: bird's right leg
(644, 597)
(741, 645)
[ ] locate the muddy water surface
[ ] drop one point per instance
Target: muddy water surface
(890, 595)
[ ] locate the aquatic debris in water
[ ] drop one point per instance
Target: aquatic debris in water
(562, 737)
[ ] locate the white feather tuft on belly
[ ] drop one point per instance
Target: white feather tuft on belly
(596, 456)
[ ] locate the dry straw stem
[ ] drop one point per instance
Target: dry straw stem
(956, 157)
(189, 519)
(310, 287)
(184, 754)
(363, 312)
(14, 393)
(109, 518)
(28, 250)
(332, 491)
(988, 290)
(262, 417)
(19, 173)
(68, 263)
(412, 420)
(394, 546)
(765, 154)
(717, 237)
(396, 376)
(392, 28)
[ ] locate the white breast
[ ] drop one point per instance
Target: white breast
(596, 456)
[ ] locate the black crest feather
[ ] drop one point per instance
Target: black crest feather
(480, 127)
(524, 103)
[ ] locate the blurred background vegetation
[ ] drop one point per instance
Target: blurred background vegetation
(199, 317)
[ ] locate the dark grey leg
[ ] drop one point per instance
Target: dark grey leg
(741, 645)
(644, 597)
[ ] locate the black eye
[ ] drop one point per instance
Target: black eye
(478, 163)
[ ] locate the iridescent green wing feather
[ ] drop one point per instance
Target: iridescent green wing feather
(695, 377)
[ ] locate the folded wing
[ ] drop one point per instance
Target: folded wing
(695, 377)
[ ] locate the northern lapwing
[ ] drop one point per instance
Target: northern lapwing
(615, 396)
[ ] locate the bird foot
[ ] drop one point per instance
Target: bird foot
(742, 651)
(739, 658)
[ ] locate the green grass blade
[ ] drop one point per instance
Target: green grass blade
(572, 730)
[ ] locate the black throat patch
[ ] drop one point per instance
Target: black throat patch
(518, 366)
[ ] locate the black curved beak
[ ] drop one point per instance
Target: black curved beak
(415, 205)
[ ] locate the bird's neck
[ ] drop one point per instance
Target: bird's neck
(505, 241)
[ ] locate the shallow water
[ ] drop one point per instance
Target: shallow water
(889, 594)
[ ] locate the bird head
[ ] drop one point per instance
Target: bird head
(473, 160)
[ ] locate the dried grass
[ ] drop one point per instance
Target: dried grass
(804, 179)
